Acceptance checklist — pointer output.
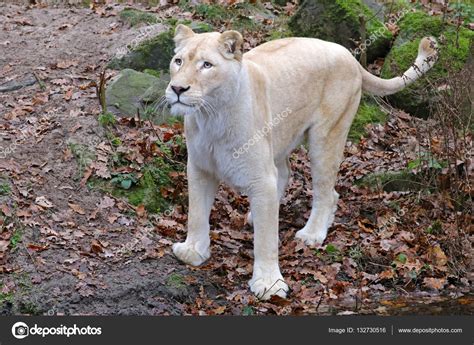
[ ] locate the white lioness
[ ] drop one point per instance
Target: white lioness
(227, 97)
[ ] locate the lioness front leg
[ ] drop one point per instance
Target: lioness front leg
(202, 189)
(267, 279)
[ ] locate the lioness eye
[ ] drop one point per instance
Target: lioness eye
(207, 64)
(178, 62)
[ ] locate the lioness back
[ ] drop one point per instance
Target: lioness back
(302, 74)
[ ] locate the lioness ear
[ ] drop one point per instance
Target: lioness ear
(182, 33)
(231, 45)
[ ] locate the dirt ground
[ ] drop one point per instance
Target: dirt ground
(80, 251)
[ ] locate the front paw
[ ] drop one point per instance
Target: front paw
(191, 254)
(311, 239)
(266, 286)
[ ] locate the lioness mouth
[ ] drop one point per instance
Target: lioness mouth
(179, 102)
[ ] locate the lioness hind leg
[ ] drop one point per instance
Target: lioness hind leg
(283, 168)
(326, 154)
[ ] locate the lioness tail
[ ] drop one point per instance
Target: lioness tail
(427, 56)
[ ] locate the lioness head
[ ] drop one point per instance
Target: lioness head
(204, 70)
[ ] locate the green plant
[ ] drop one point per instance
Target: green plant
(435, 229)
(6, 298)
(5, 188)
(426, 159)
(125, 181)
(400, 259)
(116, 141)
(248, 310)
(152, 72)
(176, 280)
(83, 155)
(462, 11)
(106, 119)
(333, 253)
(16, 238)
(356, 253)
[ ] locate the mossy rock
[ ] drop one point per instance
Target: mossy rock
(132, 90)
(382, 9)
(156, 52)
(338, 21)
(369, 112)
(418, 98)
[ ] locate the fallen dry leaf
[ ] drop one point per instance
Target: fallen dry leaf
(76, 208)
(43, 202)
(434, 283)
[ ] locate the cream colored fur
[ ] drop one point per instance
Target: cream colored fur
(232, 96)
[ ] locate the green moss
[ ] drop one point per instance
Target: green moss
(155, 176)
(454, 52)
(134, 17)
(368, 112)
(158, 49)
(147, 189)
(150, 187)
(212, 12)
(152, 72)
(353, 9)
(132, 90)
(419, 24)
(153, 53)
(176, 281)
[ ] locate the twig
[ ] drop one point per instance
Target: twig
(375, 264)
(363, 35)
(100, 90)
(139, 118)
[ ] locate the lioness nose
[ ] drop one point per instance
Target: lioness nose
(179, 89)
